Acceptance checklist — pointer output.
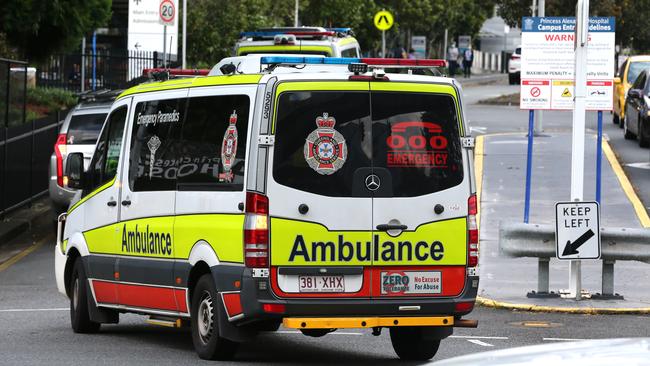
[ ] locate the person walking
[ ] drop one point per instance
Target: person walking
(468, 59)
(452, 59)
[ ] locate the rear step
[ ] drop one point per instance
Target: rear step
(165, 321)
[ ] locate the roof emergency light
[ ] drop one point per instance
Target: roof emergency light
(376, 62)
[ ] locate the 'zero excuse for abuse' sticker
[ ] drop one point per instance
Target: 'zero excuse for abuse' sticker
(325, 150)
(395, 283)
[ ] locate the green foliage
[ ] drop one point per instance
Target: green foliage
(214, 25)
(631, 16)
(38, 28)
(50, 98)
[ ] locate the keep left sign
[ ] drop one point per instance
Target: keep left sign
(577, 230)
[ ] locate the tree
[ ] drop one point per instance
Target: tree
(631, 16)
(38, 28)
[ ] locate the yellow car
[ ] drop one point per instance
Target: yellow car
(627, 74)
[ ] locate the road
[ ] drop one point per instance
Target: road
(497, 119)
(36, 326)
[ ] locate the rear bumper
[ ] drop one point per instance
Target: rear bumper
(253, 300)
(367, 322)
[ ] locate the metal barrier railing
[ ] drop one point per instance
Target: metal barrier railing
(538, 241)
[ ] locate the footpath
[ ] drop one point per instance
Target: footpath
(501, 171)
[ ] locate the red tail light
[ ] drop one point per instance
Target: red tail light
(60, 148)
(515, 57)
(463, 307)
(472, 231)
(256, 231)
(274, 308)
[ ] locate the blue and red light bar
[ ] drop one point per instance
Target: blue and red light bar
(388, 62)
(271, 34)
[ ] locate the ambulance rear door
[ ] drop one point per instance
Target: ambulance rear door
(421, 188)
(320, 210)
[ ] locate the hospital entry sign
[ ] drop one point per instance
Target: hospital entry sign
(548, 57)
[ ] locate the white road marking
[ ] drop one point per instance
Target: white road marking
(28, 310)
(480, 343)
(563, 339)
(477, 337)
(333, 333)
(638, 165)
(478, 129)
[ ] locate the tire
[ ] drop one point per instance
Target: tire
(411, 344)
(511, 79)
(79, 316)
(615, 119)
(205, 331)
(621, 121)
(626, 132)
(643, 141)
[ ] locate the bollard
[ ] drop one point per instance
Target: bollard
(543, 272)
(607, 283)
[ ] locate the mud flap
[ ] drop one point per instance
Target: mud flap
(231, 331)
(98, 315)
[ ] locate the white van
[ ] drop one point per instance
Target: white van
(334, 196)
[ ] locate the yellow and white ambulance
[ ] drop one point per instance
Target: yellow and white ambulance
(319, 194)
(329, 42)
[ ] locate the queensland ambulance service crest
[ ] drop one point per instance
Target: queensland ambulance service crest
(325, 149)
(229, 149)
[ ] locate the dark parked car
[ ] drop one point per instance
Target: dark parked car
(636, 120)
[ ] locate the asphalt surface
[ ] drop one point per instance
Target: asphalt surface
(36, 330)
(490, 119)
(35, 323)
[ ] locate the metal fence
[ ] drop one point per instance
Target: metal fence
(105, 69)
(25, 148)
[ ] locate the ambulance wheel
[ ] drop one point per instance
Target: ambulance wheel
(205, 330)
(79, 316)
(411, 343)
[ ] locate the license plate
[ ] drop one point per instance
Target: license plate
(321, 283)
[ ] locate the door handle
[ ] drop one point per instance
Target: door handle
(111, 203)
(386, 227)
(126, 203)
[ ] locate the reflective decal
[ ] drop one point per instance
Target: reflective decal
(325, 149)
(411, 282)
(229, 149)
(160, 117)
(153, 144)
(417, 144)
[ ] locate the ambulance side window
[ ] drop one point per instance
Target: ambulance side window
(107, 154)
(350, 52)
(154, 145)
(213, 143)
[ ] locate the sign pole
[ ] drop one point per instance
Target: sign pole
(164, 45)
(529, 162)
(383, 44)
(599, 156)
(578, 145)
(184, 63)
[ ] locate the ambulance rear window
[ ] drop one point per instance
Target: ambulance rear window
(416, 142)
(330, 142)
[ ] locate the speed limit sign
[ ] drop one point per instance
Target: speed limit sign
(167, 12)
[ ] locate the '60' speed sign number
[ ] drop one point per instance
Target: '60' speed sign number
(167, 12)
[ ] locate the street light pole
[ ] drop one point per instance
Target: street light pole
(295, 15)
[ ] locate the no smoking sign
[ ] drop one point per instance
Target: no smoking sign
(535, 92)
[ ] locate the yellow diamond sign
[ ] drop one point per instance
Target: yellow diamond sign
(383, 20)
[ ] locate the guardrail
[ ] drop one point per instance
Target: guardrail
(538, 241)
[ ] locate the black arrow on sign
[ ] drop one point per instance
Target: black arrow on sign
(384, 18)
(572, 248)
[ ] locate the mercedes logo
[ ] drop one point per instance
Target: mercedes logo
(373, 182)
